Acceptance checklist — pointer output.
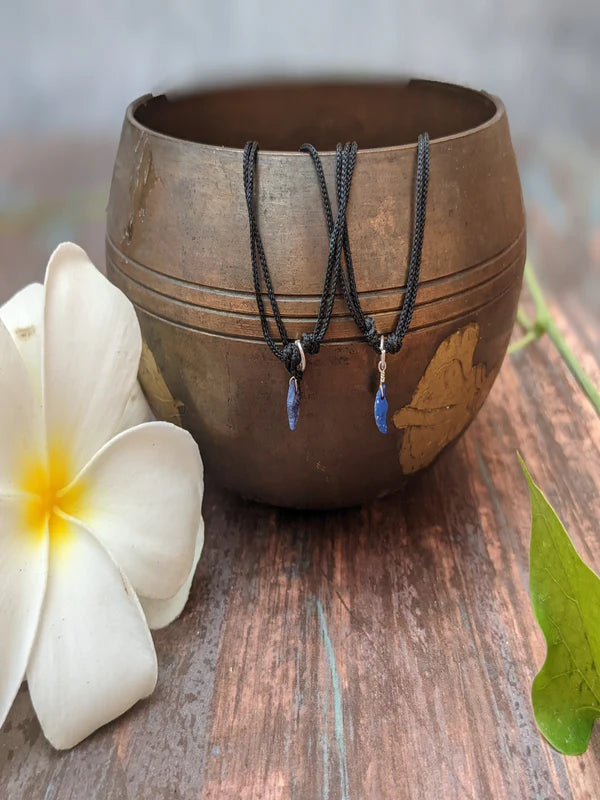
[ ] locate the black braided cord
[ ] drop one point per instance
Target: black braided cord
(289, 352)
(345, 160)
(339, 242)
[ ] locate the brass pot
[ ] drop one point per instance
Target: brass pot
(178, 245)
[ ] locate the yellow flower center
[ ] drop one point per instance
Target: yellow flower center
(47, 498)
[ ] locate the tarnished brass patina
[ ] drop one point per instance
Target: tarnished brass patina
(177, 244)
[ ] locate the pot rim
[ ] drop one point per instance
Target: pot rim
(499, 113)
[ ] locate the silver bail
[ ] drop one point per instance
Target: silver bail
(302, 355)
(381, 365)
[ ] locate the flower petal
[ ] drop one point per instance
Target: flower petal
(140, 497)
(91, 353)
(23, 316)
(21, 430)
(23, 570)
(136, 411)
(160, 613)
(93, 657)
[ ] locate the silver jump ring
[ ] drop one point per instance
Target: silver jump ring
(382, 359)
(302, 356)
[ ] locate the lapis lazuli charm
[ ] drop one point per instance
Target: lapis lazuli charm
(293, 403)
(381, 403)
(381, 409)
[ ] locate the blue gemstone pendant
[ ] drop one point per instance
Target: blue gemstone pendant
(381, 403)
(293, 403)
(381, 409)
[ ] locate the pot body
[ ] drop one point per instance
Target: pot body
(178, 246)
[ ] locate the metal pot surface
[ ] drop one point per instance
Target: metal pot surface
(178, 246)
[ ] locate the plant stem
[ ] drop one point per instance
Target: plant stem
(571, 361)
(544, 323)
(529, 337)
(524, 320)
(542, 315)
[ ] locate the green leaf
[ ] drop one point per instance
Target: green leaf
(565, 595)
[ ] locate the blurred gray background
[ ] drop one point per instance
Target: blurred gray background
(73, 66)
(69, 69)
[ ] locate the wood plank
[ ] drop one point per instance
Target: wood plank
(380, 652)
(389, 651)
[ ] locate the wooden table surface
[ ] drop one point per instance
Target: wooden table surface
(381, 652)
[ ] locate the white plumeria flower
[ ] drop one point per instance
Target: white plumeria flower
(93, 512)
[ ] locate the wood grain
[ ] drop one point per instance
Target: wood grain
(373, 653)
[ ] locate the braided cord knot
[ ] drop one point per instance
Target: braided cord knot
(371, 334)
(292, 360)
(310, 343)
(393, 342)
